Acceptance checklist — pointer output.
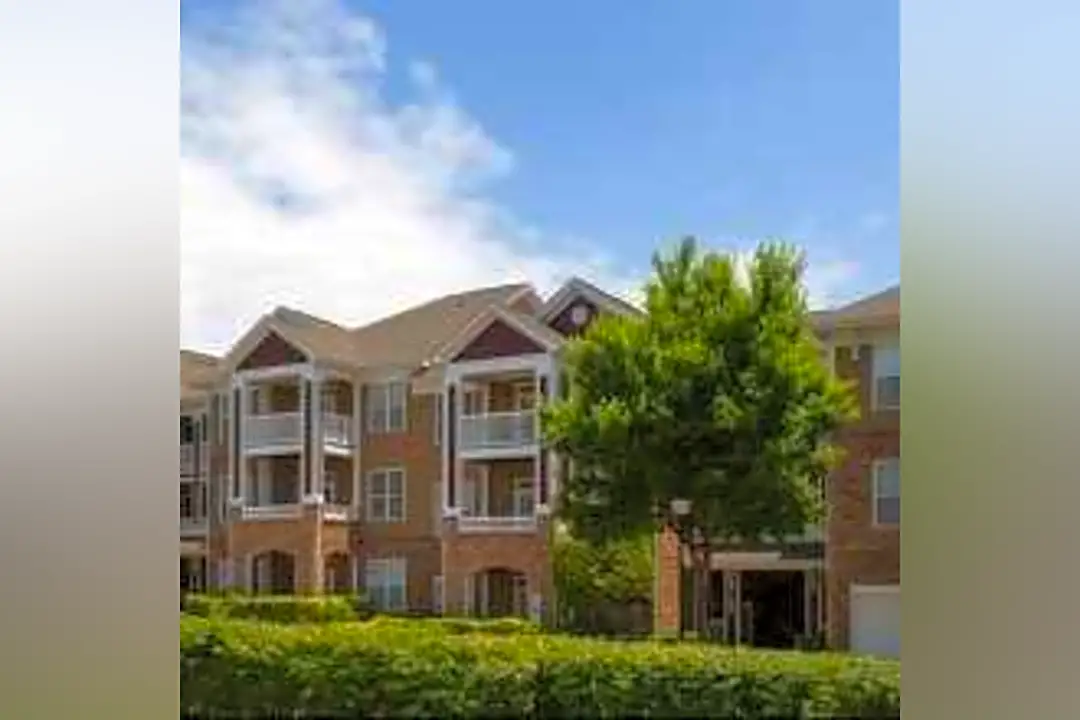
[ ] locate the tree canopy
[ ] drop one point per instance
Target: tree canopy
(716, 394)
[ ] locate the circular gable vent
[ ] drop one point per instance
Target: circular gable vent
(579, 315)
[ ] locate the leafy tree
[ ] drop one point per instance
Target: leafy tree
(715, 394)
(593, 579)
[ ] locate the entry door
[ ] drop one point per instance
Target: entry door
(475, 491)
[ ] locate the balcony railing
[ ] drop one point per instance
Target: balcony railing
(498, 431)
(283, 430)
(337, 429)
(494, 524)
(279, 511)
(192, 524)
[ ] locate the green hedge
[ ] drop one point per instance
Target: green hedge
(273, 608)
(398, 668)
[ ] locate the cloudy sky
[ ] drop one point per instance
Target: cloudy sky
(350, 159)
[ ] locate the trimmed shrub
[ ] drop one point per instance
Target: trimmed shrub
(400, 668)
(273, 608)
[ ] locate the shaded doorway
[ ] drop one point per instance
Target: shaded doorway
(273, 573)
(772, 607)
(499, 593)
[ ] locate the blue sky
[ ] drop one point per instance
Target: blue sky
(586, 131)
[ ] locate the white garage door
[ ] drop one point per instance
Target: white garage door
(875, 620)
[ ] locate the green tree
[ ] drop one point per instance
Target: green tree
(715, 394)
(597, 581)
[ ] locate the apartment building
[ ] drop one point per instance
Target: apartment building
(401, 457)
(862, 552)
(840, 581)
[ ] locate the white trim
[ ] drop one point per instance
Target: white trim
(358, 430)
(539, 363)
(482, 322)
(317, 441)
(881, 589)
(452, 414)
(575, 287)
(277, 372)
(262, 329)
(875, 469)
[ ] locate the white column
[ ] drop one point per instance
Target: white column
(302, 379)
(241, 420)
(537, 379)
(358, 439)
(316, 439)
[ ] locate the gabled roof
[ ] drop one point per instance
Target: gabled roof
(881, 308)
(575, 287)
(527, 325)
(416, 336)
(198, 371)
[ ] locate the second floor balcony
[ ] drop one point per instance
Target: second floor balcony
(498, 432)
(283, 430)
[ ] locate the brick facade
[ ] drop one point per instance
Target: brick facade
(857, 551)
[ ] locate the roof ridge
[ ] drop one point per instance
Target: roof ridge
(442, 299)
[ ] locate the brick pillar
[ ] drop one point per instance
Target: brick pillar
(309, 556)
(454, 579)
(667, 601)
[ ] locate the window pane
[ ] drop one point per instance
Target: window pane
(888, 511)
(376, 407)
(886, 361)
(888, 479)
(377, 508)
(395, 482)
(396, 508)
(888, 392)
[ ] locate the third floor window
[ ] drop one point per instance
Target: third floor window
(385, 410)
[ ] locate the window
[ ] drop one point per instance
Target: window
(474, 401)
(886, 378)
(524, 499)
(385, 582)
(223, 418)
(887, 492)
(386, 407)
(525, 396)
(328, 401)
(187, 430)
(386, 495)
(192, 501)
(331, 490)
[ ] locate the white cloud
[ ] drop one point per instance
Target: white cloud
(386, 202)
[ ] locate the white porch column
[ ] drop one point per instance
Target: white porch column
(303, 479)
(241, 418)
(358, 439)
(316, 470)
(538, 378)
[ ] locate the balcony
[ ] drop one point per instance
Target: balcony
(193, 525)
(496, 524)
(497, 433)
(277, 511)
(281, 431)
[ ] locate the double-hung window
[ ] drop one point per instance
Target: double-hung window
(385, 580)
(886, 377)
(386, 495)
(386, 412)
(887, 491)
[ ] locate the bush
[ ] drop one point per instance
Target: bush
(274, 608)
(391, 667)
